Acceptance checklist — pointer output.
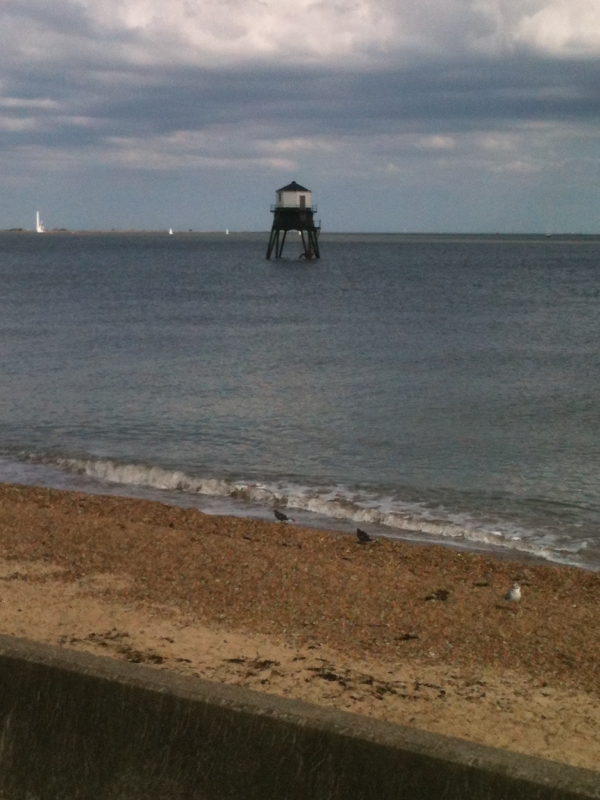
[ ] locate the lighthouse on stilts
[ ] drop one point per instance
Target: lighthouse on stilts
(294, 211)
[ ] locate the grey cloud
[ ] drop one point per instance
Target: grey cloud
(456, 96)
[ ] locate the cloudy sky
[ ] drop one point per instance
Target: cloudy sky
(417, 115)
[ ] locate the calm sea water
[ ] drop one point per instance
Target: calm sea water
(443, 388)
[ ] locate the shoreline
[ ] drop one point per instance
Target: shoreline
(49, 476)
(534, 236)
(413, 633)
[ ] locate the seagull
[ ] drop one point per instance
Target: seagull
(513, 595)
(281, 517)
(363, 536)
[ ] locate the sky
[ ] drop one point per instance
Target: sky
(399, 115)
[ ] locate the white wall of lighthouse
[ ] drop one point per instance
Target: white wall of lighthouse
(293, 196)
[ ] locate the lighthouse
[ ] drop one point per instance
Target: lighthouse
(294, 211)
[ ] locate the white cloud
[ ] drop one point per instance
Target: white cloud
(499, 142)
(518, 167)
(217, 32)
(216, 148)
(563, 27)
(20, 102)
(355, 30)
(17, 124)
(436, 142)
(526, 150)
(297, 144)
(347, 33)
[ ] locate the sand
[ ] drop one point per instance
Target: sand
(413, 634)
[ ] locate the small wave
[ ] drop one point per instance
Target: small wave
(136, 475)
(339, 503)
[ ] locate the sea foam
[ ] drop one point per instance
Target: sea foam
(340, 504)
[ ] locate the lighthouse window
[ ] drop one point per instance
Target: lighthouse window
(302, 201)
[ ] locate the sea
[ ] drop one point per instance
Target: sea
(434, 388)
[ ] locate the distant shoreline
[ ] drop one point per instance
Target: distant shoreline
(325, 234)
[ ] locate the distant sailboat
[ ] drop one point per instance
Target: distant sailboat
(171, 231)
(39, 225)
(226, 231)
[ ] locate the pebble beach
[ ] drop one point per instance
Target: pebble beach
(415, 634)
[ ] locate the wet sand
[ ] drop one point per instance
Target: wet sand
(418, 635)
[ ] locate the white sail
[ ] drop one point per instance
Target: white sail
(39, 225)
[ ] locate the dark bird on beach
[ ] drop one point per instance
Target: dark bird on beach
(363, 536)
(281, 517)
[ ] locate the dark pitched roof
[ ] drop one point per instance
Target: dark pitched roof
(293, 187)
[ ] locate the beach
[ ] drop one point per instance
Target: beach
(415, 634)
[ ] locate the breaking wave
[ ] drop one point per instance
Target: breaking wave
(334, 504)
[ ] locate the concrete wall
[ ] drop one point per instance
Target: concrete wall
(76, 726)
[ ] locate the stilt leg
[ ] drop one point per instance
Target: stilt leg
(310, 241)
(315, 243)
(282, 244)
(306, 250)
(272, 238)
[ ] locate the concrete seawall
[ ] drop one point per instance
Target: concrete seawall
(79, 727)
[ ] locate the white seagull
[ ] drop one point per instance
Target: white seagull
(513, 595)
